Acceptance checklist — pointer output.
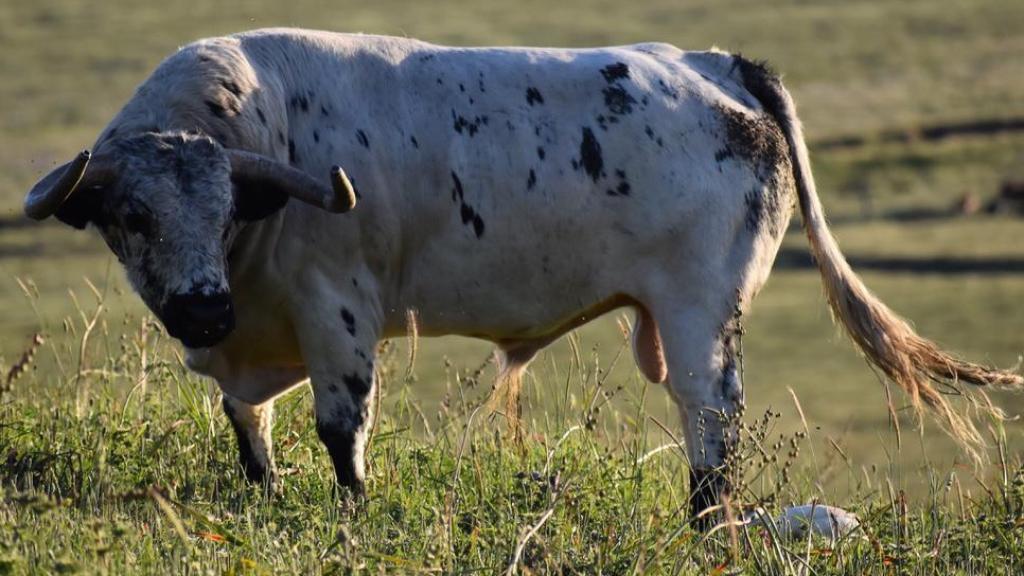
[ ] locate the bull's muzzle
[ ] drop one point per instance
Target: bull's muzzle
(199, 320)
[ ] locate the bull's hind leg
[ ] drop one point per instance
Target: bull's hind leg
(700, 342)
(252, 424)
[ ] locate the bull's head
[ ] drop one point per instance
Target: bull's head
(166, 204)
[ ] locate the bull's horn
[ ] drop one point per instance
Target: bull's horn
(294, 182)
(344, 192)
(53, 189)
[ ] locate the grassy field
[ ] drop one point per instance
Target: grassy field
(135, 472)
(99, 472)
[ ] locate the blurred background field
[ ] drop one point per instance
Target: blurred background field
(877, 83)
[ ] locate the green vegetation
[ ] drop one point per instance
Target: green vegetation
(102, 468)
(135, 471)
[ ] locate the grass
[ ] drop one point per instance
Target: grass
(136, 472)
(101, 473)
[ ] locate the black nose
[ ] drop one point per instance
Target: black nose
(199, 320)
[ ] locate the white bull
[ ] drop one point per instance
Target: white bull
(509, 194)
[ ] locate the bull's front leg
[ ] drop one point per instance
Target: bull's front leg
(338, 345)
(252, 424)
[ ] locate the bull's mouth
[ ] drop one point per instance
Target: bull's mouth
(195, 336)
(199, 320)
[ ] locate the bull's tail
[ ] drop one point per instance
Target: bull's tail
(913, 363)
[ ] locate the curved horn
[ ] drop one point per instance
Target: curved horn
(344, 192)
(339, 197)
(53, 189)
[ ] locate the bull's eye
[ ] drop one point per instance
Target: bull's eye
(139, 223)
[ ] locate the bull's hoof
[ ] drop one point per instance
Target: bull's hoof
(706, 490)
(268, 480)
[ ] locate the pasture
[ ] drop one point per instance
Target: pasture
(113, 458)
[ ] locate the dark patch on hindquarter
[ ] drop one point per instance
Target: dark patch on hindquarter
(756, 139)
(613, 72)
(590, 154)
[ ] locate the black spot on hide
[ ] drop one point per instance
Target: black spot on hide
(356, 384)
(613, 72)
(617, 100)
(533, 96)
(350, 321)
(232, 86)
(590, 154)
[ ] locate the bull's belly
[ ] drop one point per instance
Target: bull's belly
(516, 320)
(523, 295)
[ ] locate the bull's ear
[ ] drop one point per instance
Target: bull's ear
(80, 209)
(256, 200)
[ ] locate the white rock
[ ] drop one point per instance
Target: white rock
(828, 521)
